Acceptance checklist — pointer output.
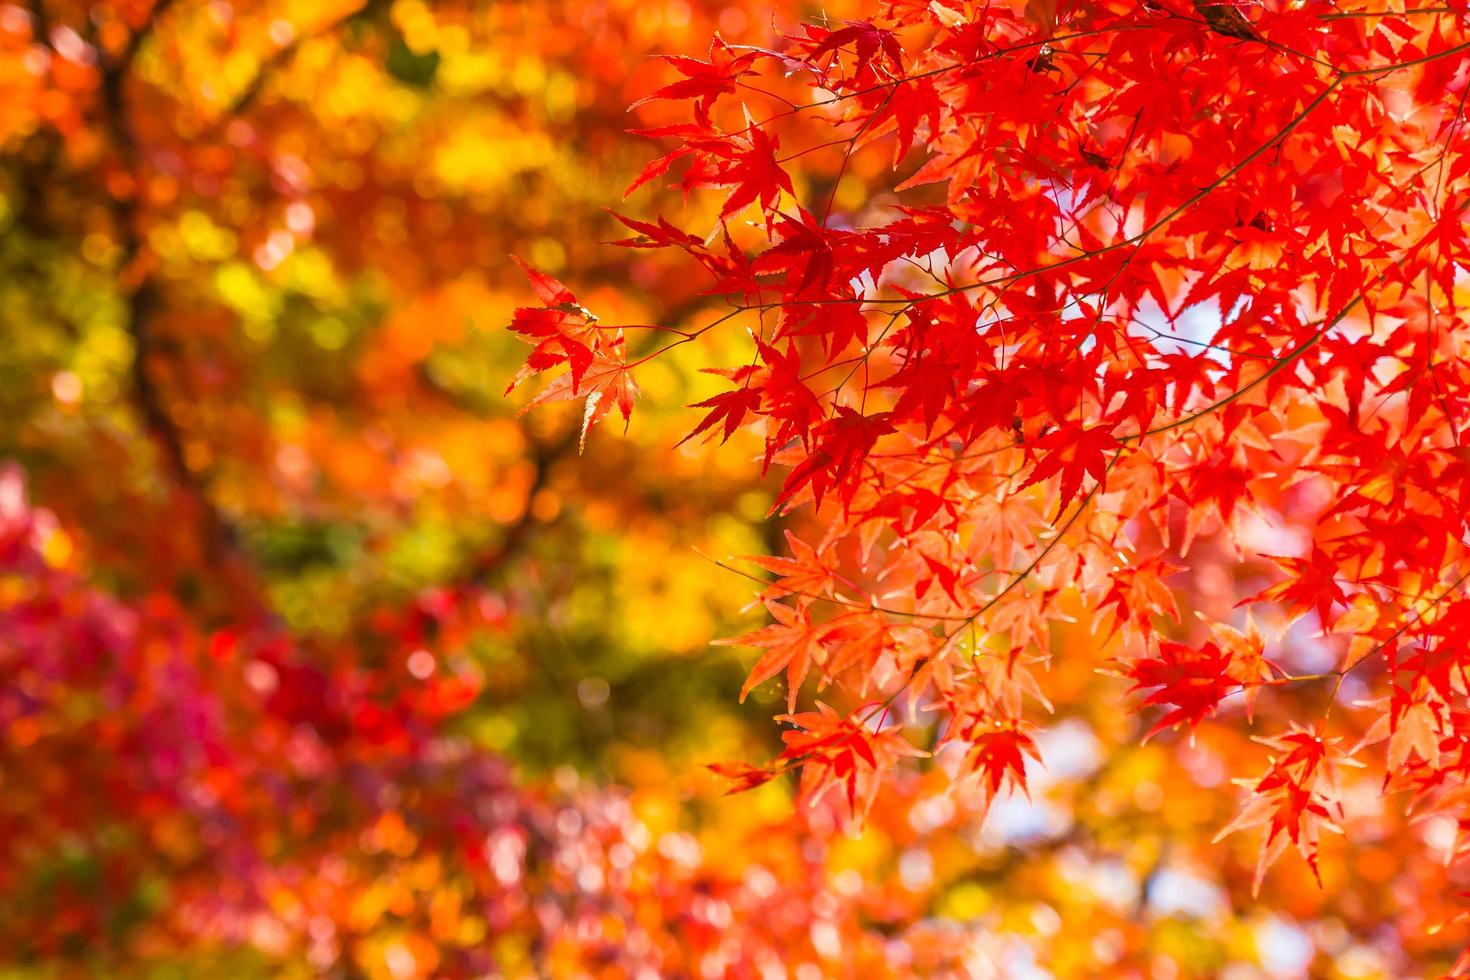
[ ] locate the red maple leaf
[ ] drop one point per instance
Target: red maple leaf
(1192, 681)
(706, 81)
(998, 754)
(1073, 452)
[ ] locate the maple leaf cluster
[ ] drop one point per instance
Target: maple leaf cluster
(1156, 320)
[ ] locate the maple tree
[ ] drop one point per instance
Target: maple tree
(1024, 342)
(1148, 355)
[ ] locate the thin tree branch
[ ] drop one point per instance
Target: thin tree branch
(219, 538)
